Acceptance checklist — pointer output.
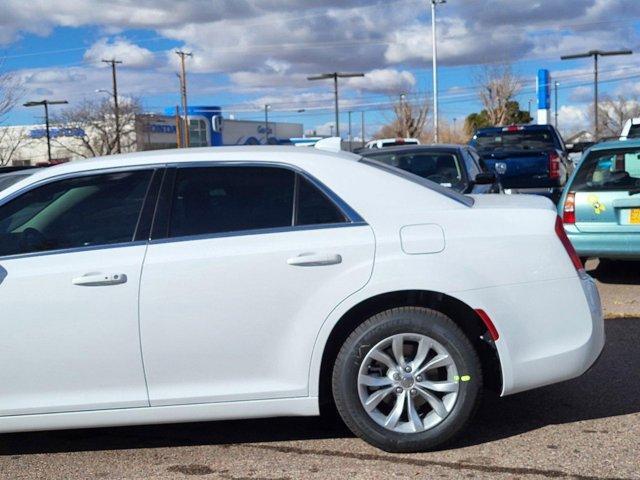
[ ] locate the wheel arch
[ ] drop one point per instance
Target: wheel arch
(461, 313)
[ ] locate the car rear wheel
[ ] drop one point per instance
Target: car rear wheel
(407, 380)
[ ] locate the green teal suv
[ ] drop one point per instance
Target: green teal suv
(600, 205)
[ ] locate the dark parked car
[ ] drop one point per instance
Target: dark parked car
(455, 166)
(527, 158)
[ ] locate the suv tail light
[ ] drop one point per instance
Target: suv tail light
(573, 255)
(569, 209)
(554, 166)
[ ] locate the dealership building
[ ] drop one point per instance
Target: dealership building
(27, 145)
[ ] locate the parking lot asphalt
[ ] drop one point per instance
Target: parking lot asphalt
(587, 428)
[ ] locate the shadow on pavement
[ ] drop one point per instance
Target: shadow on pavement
(610, 388)
(617, 272)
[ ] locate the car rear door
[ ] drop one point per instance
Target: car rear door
(71, 254)
(606, 192)
(246, 263)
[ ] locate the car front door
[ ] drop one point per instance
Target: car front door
(69, 275)
(253, 259)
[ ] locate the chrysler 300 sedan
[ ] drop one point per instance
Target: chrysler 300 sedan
(210, 284)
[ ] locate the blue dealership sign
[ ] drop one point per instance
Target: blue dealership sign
(544, 89)
(57, 132)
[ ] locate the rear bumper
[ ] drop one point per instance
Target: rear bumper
(607, 245)
(549, 331)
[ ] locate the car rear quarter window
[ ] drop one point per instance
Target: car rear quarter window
(77, 212)
(313, 207)
(609, 170)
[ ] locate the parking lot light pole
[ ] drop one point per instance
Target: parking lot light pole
(434, 61)
(46, 104)
(266, 124)
(335, 76)
(555, 104)
(596, 54)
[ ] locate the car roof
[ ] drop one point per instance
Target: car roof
(439, 147)
(276, 154)
(616, 144)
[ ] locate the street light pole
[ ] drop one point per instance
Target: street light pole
(116, 109)
(266, 122)
(350, 137)
(335, 76)
(46, 104)
(595, 54)
(555, 102)
(434, 66)
(363, 130)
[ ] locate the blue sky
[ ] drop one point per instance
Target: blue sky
(251, 52)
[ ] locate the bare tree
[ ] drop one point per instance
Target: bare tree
(497, 86)
(614, 112)
(409, 119)
(11, 140)
(95, 127)
(10, 92)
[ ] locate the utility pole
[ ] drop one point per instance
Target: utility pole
(183, 93)
(434, 66)
(335, 76)
(555, 102)
(350, 137)
(595, 54)
(46, 104)
(116, 110)
(266, 122)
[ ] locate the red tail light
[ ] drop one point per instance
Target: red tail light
(493, 331)
(569, 209)
(573, 255)
(554, 166)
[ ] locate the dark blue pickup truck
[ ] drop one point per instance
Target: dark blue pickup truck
(527, 158)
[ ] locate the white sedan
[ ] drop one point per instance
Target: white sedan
(207, 284)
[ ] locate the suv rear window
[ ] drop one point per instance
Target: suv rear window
(634, 131)
(609, 170)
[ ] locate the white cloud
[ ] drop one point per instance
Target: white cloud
(129, 53)
(573, 118)
(385, 81)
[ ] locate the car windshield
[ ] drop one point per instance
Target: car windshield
(515, 140)
(8, 179)
(609, 170)
(438, 166)
(412, 177)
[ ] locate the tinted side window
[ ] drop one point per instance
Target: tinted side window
(227, 199)
(77, 212)
(314, 208)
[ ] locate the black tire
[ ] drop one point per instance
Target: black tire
(406, 320)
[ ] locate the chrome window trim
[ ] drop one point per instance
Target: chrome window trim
(63, 251)
(84, 173)
(257, 231)
(349, 213)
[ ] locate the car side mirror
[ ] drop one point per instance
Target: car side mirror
(485, 178)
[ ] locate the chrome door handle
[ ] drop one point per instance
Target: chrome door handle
(315, 259)
(100, 279)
